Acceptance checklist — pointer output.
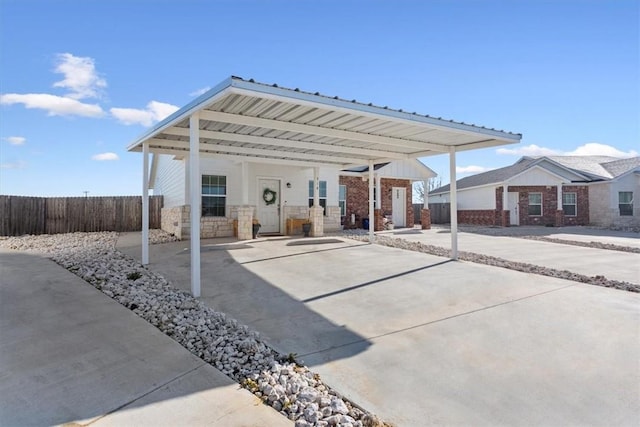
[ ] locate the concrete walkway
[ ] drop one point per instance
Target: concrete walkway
(614, 265)
(421, 340)
(70, 354)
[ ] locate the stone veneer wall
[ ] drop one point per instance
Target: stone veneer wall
(173, 220)
(332, 219)
(177, 221)
(604, 215)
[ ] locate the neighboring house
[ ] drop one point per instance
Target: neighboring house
(282, 196)
(551, 190)
(394, 184)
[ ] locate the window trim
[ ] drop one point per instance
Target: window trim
(342, 203)
(535, 204)
(629, 204)
(217, 196)
(321, 200)
(574, 204)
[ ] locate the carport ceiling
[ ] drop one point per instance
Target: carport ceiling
(256, 122)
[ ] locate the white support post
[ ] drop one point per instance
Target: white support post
(505, 197)
(145, 203)
(195, 190)
(371, 213)
(379, 187)
(454, 203)
(245, 184)
(425, 202)
(316, 187)
(559, 196)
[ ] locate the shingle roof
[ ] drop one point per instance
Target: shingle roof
(621, 166)
(489, 177)
(598, 168)
(590, 165)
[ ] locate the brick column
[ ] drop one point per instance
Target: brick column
(378, 224)
(559, 218)
(506, 218)
(245, 222)
(317, 221)
(425, 219)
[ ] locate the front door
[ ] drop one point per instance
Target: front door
(399, 206)
(269, 205)
(514, 214)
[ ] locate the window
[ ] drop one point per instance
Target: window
(569, 204)
(214, 195)
(342, 199)
(322, 195)
(625, 203)
(535, 204)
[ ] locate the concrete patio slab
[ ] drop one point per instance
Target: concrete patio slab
(420, 340)
(70, 354)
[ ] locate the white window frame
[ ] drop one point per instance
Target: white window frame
(342, 202)
(535, 204)
(574, 204)
(629, 203)
(321, 199)
(204, 195)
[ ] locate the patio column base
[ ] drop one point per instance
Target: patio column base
(316, 214)
(425, 219)
(506, 218)
(559, 218)
(378, 224)
(245, 222)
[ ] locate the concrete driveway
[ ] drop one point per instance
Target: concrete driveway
(71, 355)
(420, 340)
(615, 265)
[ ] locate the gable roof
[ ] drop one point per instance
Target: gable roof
(592, 168)
(251, 121)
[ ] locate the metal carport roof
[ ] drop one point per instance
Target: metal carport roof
(266, 123)
(255, 122)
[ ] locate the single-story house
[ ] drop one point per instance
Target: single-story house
(246, 151)
(550, 190)
(281, 196)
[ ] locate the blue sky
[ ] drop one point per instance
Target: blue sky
(80, 80)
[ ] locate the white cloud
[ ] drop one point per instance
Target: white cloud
(54, 105)
(15, 140)
(80, 76)
(200, 91)
(154, 112)
(595, 149)
(14, 165)
(105, 156)
(529, 150)
(472, 169)
(590, 149)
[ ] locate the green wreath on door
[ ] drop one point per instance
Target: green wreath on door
(269, 196)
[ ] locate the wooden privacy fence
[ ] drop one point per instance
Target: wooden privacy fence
(440, 213)
(51, 215)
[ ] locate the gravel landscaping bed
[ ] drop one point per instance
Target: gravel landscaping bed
(395, 242)
(597, 245)
(279, 380)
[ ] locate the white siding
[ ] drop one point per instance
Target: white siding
(170, 181)
(406, 169)
(535, 176)
(471, 199)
